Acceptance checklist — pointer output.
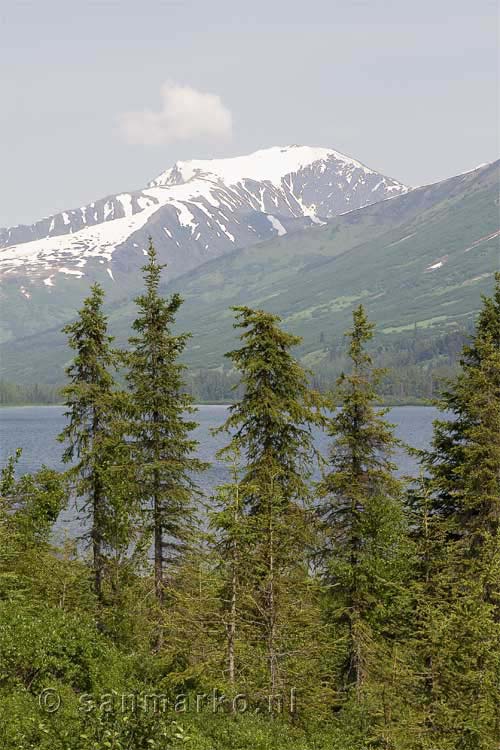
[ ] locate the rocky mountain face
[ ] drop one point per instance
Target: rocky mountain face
(194, 211)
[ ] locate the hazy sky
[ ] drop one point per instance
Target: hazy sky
(99, 96)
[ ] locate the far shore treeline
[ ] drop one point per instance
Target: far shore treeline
(356, 612)
(415, 368)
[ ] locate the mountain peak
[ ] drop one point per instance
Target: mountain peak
(265, 165)
(195, 210)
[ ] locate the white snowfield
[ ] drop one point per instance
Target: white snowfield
(270, 164)
(98, 240)
(206, 197)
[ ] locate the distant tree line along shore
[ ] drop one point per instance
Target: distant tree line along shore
(416, 367)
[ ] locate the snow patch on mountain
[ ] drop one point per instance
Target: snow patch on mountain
(270, 164)
(197, 210)
(276, 224)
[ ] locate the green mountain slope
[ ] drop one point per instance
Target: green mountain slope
(416, 261)
(420, 259)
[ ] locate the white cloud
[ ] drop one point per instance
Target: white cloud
(185, 113)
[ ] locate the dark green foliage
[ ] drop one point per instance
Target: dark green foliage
(460, 543)
(94, 436)
(270, 429)
(384, 617)
(29, 507)
(271, 424)
(231, 546)
(160, 441)
(364, 532)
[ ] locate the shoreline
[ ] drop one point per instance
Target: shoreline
(391, 403)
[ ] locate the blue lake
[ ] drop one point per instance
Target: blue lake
(35, 430)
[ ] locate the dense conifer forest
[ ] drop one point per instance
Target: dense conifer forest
(358, 611)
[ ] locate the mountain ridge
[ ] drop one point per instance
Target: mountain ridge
(199, 209)
(418, 261)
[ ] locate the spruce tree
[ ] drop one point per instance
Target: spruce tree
(268, 603)
(361, 509)
(460, 605)
(271, 428)
(229, 521)
(93, 440)
(464, 455)
(271, 423)
(160, 431)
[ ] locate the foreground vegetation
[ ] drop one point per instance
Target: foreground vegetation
(360, 611)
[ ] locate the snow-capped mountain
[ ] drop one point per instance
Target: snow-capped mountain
(194, 211)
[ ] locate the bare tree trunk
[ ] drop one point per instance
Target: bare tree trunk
(272, 658)
(157, 518)
(158, 569)
(97, 546)
(233, 606)
(158, 538)
(158, 551)
(231, 638)
(97, 522)
(355, 658)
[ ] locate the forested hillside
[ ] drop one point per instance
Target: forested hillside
(415, 369)
(417, 262)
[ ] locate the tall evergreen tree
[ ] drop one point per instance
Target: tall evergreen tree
(229, 522)
(360, 504)
(91, 434)
(460, 646)
(464, 455)
(270, 427)
(271, 423)
(161, 442)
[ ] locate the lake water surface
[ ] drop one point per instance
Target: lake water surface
(35, 430)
